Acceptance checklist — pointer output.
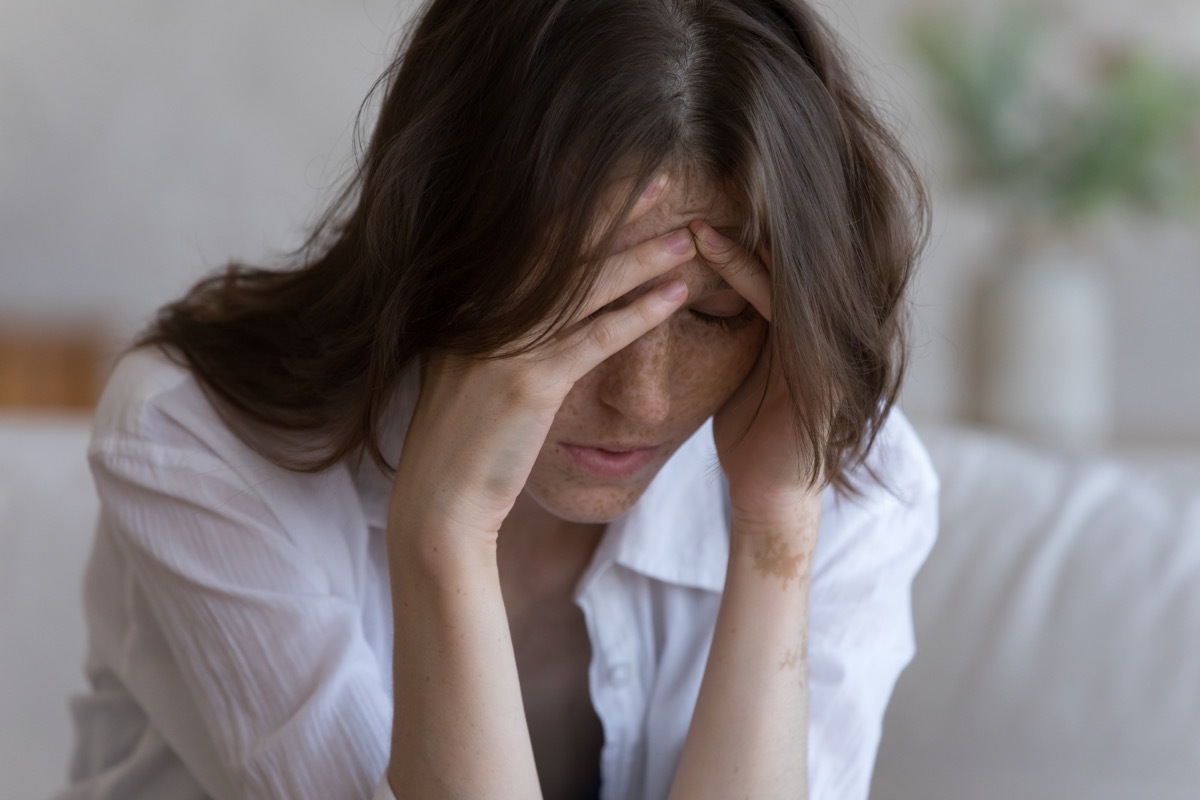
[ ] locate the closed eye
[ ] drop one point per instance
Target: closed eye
(725, 322)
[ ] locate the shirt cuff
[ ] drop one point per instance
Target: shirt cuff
(384, 790)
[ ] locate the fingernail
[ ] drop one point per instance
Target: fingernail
(679, 242)
(673, 290)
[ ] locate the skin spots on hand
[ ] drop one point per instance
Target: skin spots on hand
(773, 558)
(791, 660)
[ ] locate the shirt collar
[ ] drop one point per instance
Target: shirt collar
(676, 532)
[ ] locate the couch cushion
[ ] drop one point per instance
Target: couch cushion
(47, 514)
(1058, 631)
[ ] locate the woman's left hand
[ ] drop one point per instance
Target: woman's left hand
(757, 443)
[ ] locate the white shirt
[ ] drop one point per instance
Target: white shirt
(240, 617)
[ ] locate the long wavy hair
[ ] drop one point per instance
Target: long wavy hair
(470, 218)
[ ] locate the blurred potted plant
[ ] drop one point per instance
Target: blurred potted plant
(1128, 141)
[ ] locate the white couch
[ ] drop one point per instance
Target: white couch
(47, 514)
(1058, 631)
(1058, 623)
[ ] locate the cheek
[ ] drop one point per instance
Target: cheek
(711, 363)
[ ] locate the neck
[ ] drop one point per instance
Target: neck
(541, 556)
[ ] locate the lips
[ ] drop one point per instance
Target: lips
(611, 460)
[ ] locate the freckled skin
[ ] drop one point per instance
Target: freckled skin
(658, 390)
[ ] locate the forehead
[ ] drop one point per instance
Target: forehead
(686, 199)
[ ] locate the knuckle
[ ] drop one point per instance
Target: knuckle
(605, 333)
(645, 259)
(726, 255)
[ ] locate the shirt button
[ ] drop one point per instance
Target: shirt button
(618, 674)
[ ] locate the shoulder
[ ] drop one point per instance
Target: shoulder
(898, 468)
(890, 527)
(156, 429)
(155, 409)
(168, 469)
(153, 403)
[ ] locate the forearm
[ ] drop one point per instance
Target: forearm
(749, 731)
(459, 729)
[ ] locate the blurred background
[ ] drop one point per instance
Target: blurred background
(143, 144)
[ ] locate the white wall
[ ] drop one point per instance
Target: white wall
(143, 143)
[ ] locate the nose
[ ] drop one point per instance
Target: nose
(636, 381)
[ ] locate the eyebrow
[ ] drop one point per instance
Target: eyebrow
(713, 285)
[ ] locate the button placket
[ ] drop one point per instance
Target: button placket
(613, 676)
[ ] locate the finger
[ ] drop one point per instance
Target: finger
(596, 339)
(615, 199)
(747, 275)
(764, 255)
(652, 193)
(627, 270)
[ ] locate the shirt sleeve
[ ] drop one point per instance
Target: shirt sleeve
(860, 625)
(254, 669)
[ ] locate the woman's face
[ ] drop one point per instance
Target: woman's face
(623, 420)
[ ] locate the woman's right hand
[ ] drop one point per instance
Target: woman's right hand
(480, 423)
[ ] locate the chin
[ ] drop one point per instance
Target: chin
(586, 505)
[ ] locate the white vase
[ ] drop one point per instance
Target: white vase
(1046, 352)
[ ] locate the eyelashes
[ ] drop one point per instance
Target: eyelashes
(730, 323)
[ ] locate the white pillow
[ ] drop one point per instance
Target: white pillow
(1058, 631)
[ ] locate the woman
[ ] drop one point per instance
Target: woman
(563, 461)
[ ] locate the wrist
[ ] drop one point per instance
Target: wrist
(421, 548)
(796, 517)
(778, 549)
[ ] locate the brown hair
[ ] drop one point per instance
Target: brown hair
(466, 223)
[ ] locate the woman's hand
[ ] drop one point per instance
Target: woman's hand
(472, 442)
(749, 731)
(757, 444)
(480, 423)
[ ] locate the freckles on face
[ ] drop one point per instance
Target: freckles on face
(658, 390)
